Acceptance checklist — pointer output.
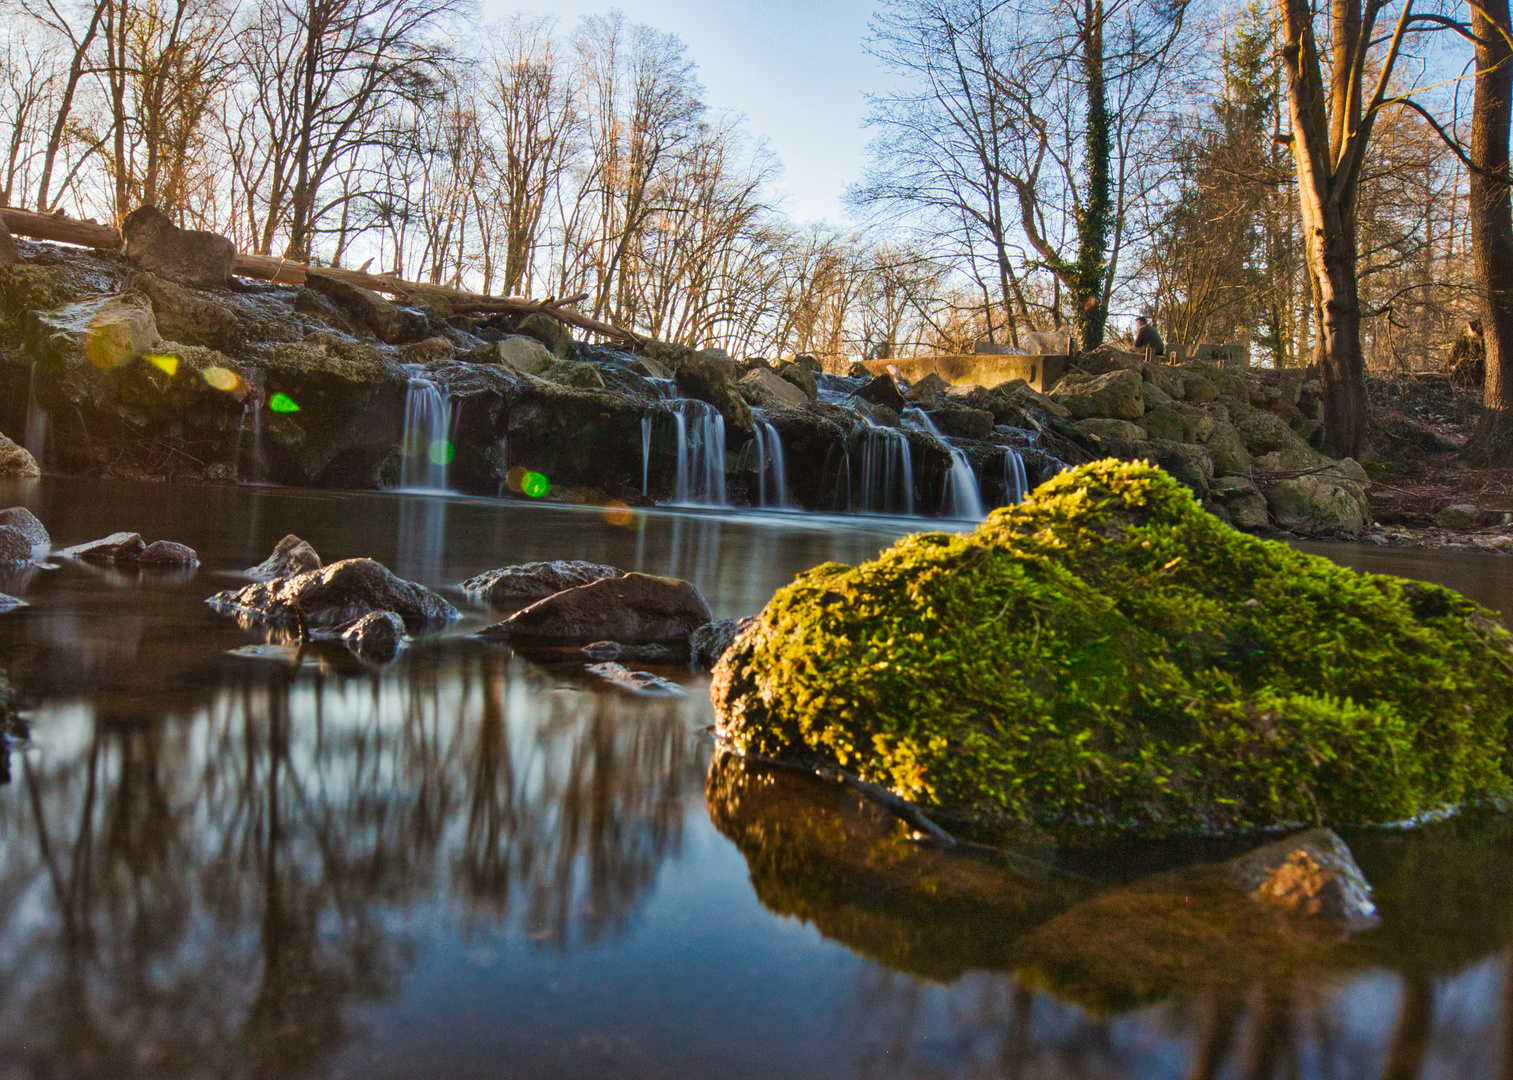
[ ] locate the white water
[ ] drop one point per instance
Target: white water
(251, 418)
(35, 438)
(772, 472)
(426, 443)
(645, 451)
(887, 473)
(961, 499)
(701, 453)
(1016, 485)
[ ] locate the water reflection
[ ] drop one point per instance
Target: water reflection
(210, 893)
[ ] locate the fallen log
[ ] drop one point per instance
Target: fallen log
(280, 271)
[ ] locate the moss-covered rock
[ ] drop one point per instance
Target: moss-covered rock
(1108, 654)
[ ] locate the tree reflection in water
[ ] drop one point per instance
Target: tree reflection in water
(206, 892)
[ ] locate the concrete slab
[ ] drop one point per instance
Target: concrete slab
(987, 370)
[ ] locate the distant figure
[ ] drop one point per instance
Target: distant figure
(1468, 358)
(1148, 339)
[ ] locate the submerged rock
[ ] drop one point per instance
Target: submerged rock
(377, 636)
(643, 683)
(14, 545)
(1312, 873)
(16, 460)
(291, 556)
(709, 642)
(117, 547)
(19, 517)
(1108, 654)
(167, 553)
(635, 609)
(334, 595)
(528, 582)
(10, 603)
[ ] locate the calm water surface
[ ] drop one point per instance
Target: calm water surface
(469, 865)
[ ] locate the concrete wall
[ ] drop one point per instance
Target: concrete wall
(967, 369)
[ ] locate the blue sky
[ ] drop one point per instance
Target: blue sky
(798, 71)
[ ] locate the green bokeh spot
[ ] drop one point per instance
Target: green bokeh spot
(535, 485)
(442, 452)
(282, 403)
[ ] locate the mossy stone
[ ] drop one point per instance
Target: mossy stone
(1107, 654)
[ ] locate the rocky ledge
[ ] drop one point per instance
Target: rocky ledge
(1109, 656)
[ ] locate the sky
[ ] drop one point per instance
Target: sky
(797, 70)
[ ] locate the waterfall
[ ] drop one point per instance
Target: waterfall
(887, 473)
(35, 439)
(961, 499)
(645, 451)
(701, 452)
(766, 447)
(1016, 484)
(252, 413)
(427, 443)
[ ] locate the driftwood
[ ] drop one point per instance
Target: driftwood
(67, 230)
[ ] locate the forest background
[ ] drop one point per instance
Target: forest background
(534, 158)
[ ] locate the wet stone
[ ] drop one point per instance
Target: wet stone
(168, 553)
(334, 595)
(378, 636)
(1312, 873)
(291, 556)
(643, 683)
(19, 517)
(14, 546)
(117, 547)
(10, 603)
(709, 642)
(528, 582)
(636, 609)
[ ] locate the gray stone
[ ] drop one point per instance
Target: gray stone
(928, 391)
(190, 257)
(523, 354)
(1264, 432)
(167, 553)
(1462, 517)
(1191, 465)
(572, 373)
(14, 546)
(528, 582)
(1116, 395)
(20, 517)
(108, 332)
(430, 350)
(333, 596)
(391, 324)
(652, 369)
(1229, 453)
(766, 389)
(962, 422)
(185, 316)
(10, 254)
(1164, 422)
(709, 642)
(713, 379)
(801, 377)
(1242, 500)
(291, 556)
(641, 683)
(635, 609)
(882, 390)
(552, 334)
(1197, 388)
(16, 460)
(117, 547)
(1310, 874)
(1313, 505)
(1117, 430)
(377, 637)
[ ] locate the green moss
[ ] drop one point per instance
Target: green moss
(1108, 654)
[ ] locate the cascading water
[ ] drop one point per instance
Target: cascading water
(251, 420)
(645, 451)
(701, 452)
(887, 473)
(766, 448)
(1016, 484)
(427, 442)
(35, 439)
(961, 498)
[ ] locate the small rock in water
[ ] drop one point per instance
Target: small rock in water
(533, 581)
(167, 553)
(613, 650)
(291, 556)
(335, 595)
(1312, 873)
(19, 517)
(709, 642)
(15, 460)
(377, 636)
(117, 547)
(636, 609)
(14, 546)
(10, 603)
(602, 650)
(637, 682)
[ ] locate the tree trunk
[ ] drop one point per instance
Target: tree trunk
(1089, 313)
(1491, 216)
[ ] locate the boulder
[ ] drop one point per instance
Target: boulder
(713, 379)
(1123, 661)
(962, 422)
(802, 377)
(642, 683)
(709, 642)
(1315, 505)
(1117, 394)
(376, 637)
(928, 391)
(185, 316)
(291, 556)
(1242, 500)
(1166, 379)
(883, 391)
(333, 596)
(1197, 388)
(16, 460)
(14, 545)
(11, 603)
(634, 609)
(190, 257)
(1114, 430)
(584, 376)
(369, 312)
(430, 350)
(652, 369)
(1293, 456)
(109, 332)
(1264, 432)
(1192, 466)
(804, 360)
(523, 354)
(549, 331)
(10, 254)
(1019, 394)
(1154, 396)
(167, 553)
(1229, 454)
(1313, 874)
(19, 517)
(1164, 422)
(117, 547)
(766, 389)
(1462, 517)
(642, 654)
(526, 583)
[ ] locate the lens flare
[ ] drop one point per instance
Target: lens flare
(535, 484)
(222, 378)
(169, 365)
(441, 452)
(282, 403)
(618, 513)
(515, 479)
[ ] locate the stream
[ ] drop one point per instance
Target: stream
(275, 863)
